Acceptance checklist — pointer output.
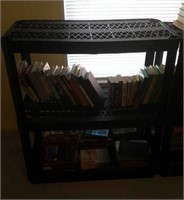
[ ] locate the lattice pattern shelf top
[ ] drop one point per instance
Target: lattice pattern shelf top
(113, 30)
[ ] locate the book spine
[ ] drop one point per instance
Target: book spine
(70, 89)
(153, 80)
(32, 79)
(83, 94)
(134, 90)
(110, 86)
(63, 83)
(82, 101)
(91, 92)
(28, 90)
(124, 91)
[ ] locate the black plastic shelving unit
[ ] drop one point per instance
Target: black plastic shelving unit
(171, 160)
(93, 37)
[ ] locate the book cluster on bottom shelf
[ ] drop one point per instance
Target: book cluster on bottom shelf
(92, 149)
(75, 86)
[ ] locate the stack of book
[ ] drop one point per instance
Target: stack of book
(144, 88)
(60, 150)
(94, 158)
(65, 151)
(133, 153)
(180, 19)
(96, 137)
(68, 150)
(70, 86)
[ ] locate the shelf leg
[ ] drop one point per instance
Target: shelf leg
(158, 58)
(18, 104)
(26, 56)
(149, 58)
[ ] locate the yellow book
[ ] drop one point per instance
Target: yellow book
(153, 80)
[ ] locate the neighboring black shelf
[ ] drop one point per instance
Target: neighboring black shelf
(173, 166)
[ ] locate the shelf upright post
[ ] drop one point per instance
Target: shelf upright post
(26, 56)
(158, 58)
(149, 58)
(166, 92)
(169, 73)
(18, 102)
(174, 113)
(177, 89)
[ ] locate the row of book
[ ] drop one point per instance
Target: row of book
(144, 88)
(58, 155)
(70, 86)
(76, 87)
(179, 22)
(93, 135)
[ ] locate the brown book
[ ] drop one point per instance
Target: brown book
(124, 91)
(94, 158)
(26, 87)
(128, 92)
(77, 91)
(80, 74)
(152, 82)
(135, 85)
(93, 89)
(63, 80)
(95, 85)
(110, 85)
(46, 76)
(37, 82)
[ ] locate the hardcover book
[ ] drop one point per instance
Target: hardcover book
(94, 158)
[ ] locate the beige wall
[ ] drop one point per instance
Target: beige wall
(22, 10)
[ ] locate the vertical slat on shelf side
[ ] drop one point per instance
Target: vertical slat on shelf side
(26, 56)
(160, 135)
(177, 89)
(18, 102)
(158, 58)
(169, 73)
(167, 95)
(149, 58)
(164, 154)
(174, 100)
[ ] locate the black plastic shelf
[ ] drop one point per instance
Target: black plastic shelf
(87, 37)
(107, 36)
(77, 122)
(90, 30)
(45, 117)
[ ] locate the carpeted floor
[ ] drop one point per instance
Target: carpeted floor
(14, 184)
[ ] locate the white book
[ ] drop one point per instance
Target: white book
(182, 6)
(181, 12)
(179, 25)
(180, 19)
